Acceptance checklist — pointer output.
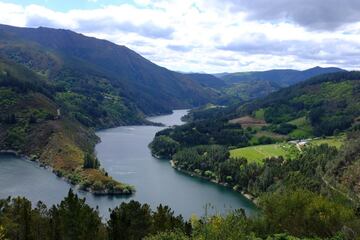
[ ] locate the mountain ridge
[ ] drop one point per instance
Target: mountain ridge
(153, 89)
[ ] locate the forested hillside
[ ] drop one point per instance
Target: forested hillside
(35, 122)
(211, 144)
(250, 85)
(110, 84)
(57, 87)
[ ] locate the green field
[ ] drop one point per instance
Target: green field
(304, 129)
(331, 141)
(259, 153)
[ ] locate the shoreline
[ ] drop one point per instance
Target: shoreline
(126, 190)
(33, 159)
(248, 196)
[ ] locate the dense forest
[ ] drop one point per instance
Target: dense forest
(287, 214)
(327, 104)
(106, 84)
(257, 84)
(323, 106)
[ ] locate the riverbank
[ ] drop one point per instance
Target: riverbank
(82, 181)
(64, 145)
(124, 153)
(247, 195)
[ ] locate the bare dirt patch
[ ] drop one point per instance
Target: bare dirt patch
(249, 121)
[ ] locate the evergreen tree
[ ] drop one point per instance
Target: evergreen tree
(91, 162)
(164, 219)
(130, 221)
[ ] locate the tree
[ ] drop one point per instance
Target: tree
(303, 213)
(129, 221)
(164, 219)
(91, 162)
(74, 219)
(164, 147)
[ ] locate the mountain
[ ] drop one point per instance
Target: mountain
(250, 85)
(329, 102)
(207, 80)
(280, 77)
(58, 86)
(325, 105)
(32, 124)
(120, 84)
(324, 110)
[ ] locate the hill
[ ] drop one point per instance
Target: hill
(121, 85)
(57, 86)
(219, 144)
(328, 102)
(207, 80)
(31, 124)
(250, 85)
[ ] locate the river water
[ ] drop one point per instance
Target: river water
(125, 155)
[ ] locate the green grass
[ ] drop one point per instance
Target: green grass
(258, 153)
(259, 114)
(304, 128)
(331, 141)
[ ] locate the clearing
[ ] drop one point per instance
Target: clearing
(259, 153)
(249, 121)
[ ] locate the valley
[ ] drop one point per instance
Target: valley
(260, 154)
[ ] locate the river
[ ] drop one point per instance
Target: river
(125, 155)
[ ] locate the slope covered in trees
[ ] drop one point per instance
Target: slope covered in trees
(250, 85)
(107, 84)
(57, 86)
(31, 123)
(328, 104)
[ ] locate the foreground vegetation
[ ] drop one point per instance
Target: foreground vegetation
(296, 214)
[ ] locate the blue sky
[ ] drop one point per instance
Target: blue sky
(209, 35)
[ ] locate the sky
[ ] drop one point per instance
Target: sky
(210, 35)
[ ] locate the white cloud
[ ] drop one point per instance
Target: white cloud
(200, 35)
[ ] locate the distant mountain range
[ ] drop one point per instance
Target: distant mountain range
(250, 85)
(280, 77)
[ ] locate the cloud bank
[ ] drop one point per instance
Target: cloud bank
(216, 35)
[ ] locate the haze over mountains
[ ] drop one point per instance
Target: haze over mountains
(280, 77)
